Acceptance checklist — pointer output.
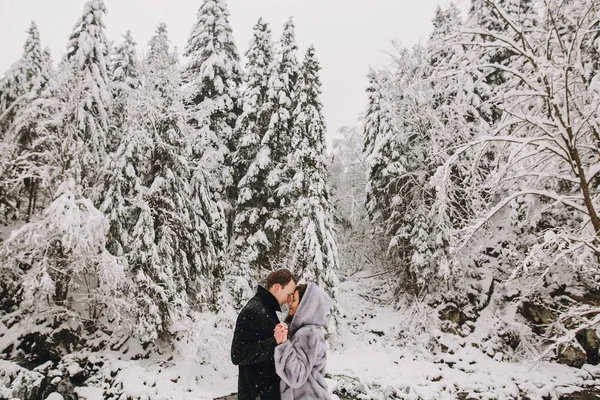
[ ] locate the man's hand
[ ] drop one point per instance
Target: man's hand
(281, 333)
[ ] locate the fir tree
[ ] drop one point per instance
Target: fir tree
(253, 123)
(158, 50)
(125, 74)
(308, 133)
(264, 198)
(282, 86)
(27, 85)
(378, 133)
(313, 247)
(69, 267)
(125, 66)
(19, 80)
(87, 56)
(33, 126)
(250, 128)
(162, 219)
(212, 81)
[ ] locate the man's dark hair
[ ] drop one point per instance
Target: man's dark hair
(281, 276)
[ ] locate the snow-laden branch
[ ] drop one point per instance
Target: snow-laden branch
(593, 171)
(502, 42)
(508, 139)
(569, 335)
(539, 123)
(536, 90)
(14, 103)
(510, 22)
(543, 175)
(542, 193)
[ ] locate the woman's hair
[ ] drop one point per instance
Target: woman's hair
(301, 288)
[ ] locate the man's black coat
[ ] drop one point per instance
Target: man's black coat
(253, 348)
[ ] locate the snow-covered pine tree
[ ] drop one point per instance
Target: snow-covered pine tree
(282, 93)
(250, 128)
(262, 222)
(162, 218)
(446, 26)
(25, 83)
(378, 135)
(313, 249)
(277, 142)
(129, 163)
(159, 52)
(33, 125)
(410, 125)
(87, 56)
(37, 69)
(20, 78)
(17, 83)
(212, 80)
(70, 272)
(125, 71)
(125, 66)
(400, 165)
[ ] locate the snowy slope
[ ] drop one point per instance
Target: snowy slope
(382, 353)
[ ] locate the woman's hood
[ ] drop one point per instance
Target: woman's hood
(313, 308)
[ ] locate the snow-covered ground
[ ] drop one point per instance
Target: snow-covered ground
(371, 360)
(388, 368)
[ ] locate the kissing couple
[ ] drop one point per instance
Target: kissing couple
(282, 360)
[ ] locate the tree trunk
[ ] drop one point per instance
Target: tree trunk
(35, 197)
(30, 204)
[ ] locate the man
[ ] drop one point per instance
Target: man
(255, 338)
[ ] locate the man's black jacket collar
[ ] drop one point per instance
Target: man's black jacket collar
(269, 299)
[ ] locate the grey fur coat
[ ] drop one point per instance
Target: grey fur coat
(300, 361)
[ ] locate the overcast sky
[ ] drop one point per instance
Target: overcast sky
(349, 35)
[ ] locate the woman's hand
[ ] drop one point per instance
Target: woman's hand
(281, 333)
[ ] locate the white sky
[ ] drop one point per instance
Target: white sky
(349, 35)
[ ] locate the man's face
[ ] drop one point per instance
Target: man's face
(284, 294)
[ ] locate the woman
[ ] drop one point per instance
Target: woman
(300, 360)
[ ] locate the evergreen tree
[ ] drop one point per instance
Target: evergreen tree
(282, 87)
(11, 94)
(158, 50)
(253, 123)
(19, 80)
(125, 73)
(33, 126)
(125, 66)
(69, 267)
(87, 56)
(404, 149)
(308, 133)
(262, 222)
(378, 132)
(446, 24)
(162, 219)
(313, 248)
(212, 81)
(250, 128)
(26, 86)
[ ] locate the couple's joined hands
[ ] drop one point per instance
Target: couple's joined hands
(281, 332)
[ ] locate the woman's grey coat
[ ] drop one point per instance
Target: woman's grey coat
(300, 361)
